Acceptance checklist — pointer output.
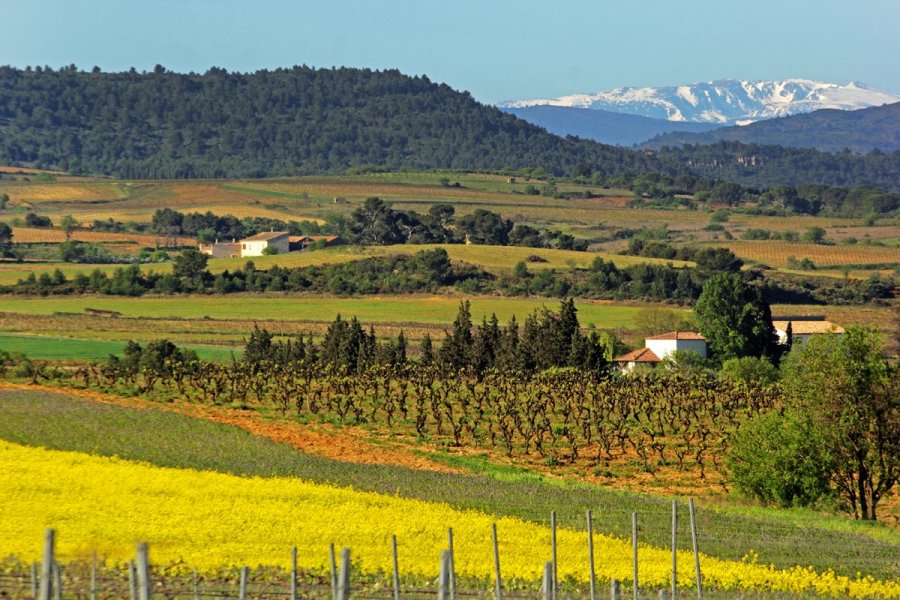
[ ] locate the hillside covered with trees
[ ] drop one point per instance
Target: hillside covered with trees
(828, 130)
(309, 121)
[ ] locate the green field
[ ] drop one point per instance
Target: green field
(388, 309)
(782, 538)
(62, 348)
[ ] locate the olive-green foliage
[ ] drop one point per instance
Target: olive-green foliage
(750, 369)
(780, 459)
(852, 394)
(735, 319)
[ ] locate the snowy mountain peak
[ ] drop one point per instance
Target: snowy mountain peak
(726, 101)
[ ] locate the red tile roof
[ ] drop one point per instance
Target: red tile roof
(678, 335)
(643, 355)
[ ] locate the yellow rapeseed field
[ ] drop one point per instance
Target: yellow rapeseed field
(212, 520)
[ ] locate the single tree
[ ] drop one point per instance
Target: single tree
(68, 224)
(6, 240)
(735, 319)
(852, 394)
(190, 265)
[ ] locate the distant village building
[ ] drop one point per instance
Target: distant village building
(642, 356)
(676, 341)
(258, 245)
(221, 249)
(658, 347)
(803, 327)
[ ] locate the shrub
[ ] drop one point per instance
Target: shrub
(780, 459)
(750, 369)
(720, 216)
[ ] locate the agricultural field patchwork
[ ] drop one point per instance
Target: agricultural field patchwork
(429, 501)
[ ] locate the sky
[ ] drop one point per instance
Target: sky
(496, 49)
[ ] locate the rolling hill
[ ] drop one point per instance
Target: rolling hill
(827, 130)
(296, 121)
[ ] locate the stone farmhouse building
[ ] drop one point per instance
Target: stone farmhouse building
(259, 244)
(804, 327)
(658, 347)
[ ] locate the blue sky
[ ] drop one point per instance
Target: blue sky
(498, 50)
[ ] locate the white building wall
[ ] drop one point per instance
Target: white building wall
(256, 247)
(663, 348)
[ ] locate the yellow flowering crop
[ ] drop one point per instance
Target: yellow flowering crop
(213, 520)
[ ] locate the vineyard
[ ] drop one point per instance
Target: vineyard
(776, 253)
(561, 416)
(65, 192)
(31, 235)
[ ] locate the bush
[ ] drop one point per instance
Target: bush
(780, 459)
(720, 216)
(750, 369)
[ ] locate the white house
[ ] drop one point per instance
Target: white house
(804, 327)
(674, 341)
(659, 347)
(256, 245)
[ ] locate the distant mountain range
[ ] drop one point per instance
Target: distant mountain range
(603, 126)
(631, 116)
(828, 130)
(725, 101)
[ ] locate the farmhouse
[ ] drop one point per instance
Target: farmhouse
(658, 347)
(642, 356)
(803, 327)
(257, 245)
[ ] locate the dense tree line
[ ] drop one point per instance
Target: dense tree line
(802, 198)
(432, 270)
(545, 340)
(304, 121)
(209, 227)
(376, 223)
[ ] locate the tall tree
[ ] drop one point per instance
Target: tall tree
(456, 349)
(6, 240)
(735, 319)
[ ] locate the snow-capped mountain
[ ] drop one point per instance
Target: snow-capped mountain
(726, 101)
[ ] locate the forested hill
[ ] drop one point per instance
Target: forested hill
(306, 121)
(828, 130)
